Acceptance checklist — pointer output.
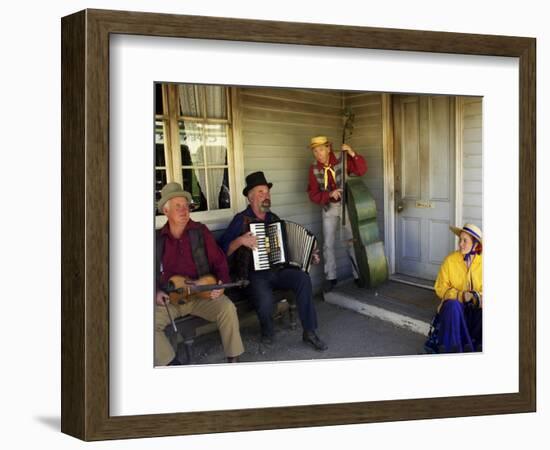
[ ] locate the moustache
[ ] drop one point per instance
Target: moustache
(266, 204)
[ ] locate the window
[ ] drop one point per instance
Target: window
(193, 144)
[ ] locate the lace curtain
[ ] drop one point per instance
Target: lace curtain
(207, 142)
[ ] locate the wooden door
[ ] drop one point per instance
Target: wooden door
(424, 164)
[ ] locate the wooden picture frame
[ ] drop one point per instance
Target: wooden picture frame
(85, 224)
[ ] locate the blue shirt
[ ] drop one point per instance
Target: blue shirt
(235, 228)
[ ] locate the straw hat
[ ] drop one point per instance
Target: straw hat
(172, 190)
(317, 141)
(471, 229)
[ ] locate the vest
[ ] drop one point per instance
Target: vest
(198, 252)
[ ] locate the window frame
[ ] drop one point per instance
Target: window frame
(170, 118)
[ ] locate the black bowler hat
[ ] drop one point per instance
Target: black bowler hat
(255, 179)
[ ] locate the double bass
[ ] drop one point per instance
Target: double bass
(361, 207)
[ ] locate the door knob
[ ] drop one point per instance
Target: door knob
(400, 207)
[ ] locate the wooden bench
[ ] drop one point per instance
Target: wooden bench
(191, 327)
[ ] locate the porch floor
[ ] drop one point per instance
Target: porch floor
(350, 331)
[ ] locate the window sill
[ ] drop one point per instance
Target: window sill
(214, 221)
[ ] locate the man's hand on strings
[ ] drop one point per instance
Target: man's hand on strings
(336, 194)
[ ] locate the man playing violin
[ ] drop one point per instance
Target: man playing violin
(188, 248)
(325, 189)
(238, 242)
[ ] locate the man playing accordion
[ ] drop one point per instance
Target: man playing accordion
(238, 243)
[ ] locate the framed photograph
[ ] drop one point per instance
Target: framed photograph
(149, 99)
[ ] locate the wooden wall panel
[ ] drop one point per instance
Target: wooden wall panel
(472, 169)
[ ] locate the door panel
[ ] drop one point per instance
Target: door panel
(438, 232)
(411, 151)
(424, 182)
(411, 229)
(438, 145)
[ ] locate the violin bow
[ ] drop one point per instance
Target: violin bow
(170, 316)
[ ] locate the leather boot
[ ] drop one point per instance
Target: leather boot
(311, 338)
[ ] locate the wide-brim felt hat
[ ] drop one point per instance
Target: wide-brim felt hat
(172, 190)
(317, 141)
(470, 229)
(255, 179)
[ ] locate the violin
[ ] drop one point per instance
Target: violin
(182, 289)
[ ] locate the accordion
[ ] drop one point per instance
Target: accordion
(282, 243)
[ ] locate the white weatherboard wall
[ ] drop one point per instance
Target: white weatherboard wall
(472, 167)
(277, 125)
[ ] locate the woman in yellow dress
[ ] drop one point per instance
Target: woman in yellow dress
(457, 326)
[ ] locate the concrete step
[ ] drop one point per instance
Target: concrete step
(403, 305)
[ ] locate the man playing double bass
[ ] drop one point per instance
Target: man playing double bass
(188, 248)
(325, 188)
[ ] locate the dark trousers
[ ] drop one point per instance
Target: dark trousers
(260, 291)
